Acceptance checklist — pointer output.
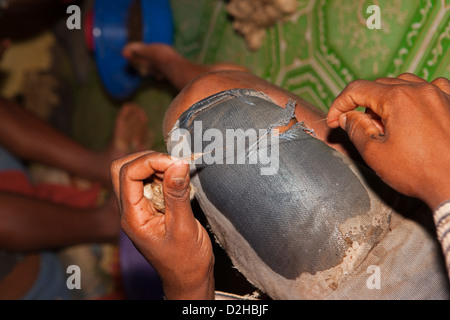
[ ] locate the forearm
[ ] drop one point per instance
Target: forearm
(442, 221)
(28, 224)
(32, 139)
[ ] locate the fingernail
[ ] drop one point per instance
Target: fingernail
(343, 121)
(180, 171)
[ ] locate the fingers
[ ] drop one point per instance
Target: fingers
(129, 172)
(176, 195)
(117, 165)
(362, 129)
(443, 84)
(133, 48)
(391, 81)
(411, 77)
(138, 54)
(371, 95)
(133, 173)
(377, 121)
(362, 93)
(404, 78)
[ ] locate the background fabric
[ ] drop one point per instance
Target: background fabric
(325, 44)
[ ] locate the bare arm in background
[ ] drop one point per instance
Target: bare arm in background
(28, 224)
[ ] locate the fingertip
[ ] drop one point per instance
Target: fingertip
(342, 121)
(332, 121)
(179, 172)
(127, 53)
(181, 162)
(333, 116)
(130, 49)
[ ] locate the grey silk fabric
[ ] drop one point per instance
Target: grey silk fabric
(310, 227)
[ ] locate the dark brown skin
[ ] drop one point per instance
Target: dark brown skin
(177, 244)
(30, 225)
(405, 133)
(165, 247)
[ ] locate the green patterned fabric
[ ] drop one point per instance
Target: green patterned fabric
(326, 44)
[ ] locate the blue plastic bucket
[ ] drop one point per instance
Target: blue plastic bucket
(110, 35)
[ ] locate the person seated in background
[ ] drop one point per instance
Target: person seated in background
(33, 227)
(314, 228)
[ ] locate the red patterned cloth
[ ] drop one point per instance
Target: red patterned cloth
(17, 182)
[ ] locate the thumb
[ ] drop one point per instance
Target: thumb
(176, 194)
(361, 128)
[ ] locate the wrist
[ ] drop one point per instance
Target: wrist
(437, 199)
(437, 192)
(186, 289)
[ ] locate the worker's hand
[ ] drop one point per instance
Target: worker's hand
(148, 58)
(175, 243)
(404, 135)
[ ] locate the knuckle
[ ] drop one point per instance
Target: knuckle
(178, 194)
(115, 167)
(383, 79)
(354, 84)
(157, 155)
(441, 81)
(353, 125)
(405, 75)
(346, 94)
(123, 173)
(406, 92)
(429, 89)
